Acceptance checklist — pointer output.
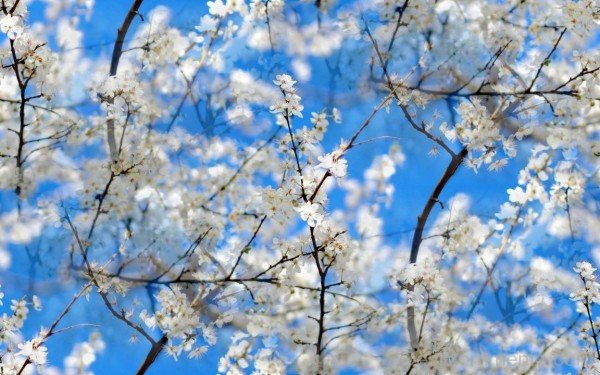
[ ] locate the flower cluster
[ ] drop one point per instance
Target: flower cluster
(334, 164)
(289, 105)
(590, 292)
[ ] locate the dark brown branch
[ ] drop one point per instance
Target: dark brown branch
(246, 248)
(418, 235)
(546, 60)
(114, 65)
(433, 199)
(155, 350)
(393, 90)
(104, 295)
(21, 133)
(121, 33)
(400, 11)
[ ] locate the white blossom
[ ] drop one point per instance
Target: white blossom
(335, 165)
(311, 213)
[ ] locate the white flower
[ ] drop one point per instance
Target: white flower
(285, 82)
(19, 308)
(149, 320)
(319, 120)
(82, 356)
(337, 167)
(33, 350)
(337, 116)
(11, 26)
(517, 195)
(36, 302)
(217, 8)
(507, 211)
(498, 164)
(585, 269)
(207, 23)
(450, 134)
(383, 167)
(198, 352)
(310, 212)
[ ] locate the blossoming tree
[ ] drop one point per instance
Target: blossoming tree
(237, 189)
